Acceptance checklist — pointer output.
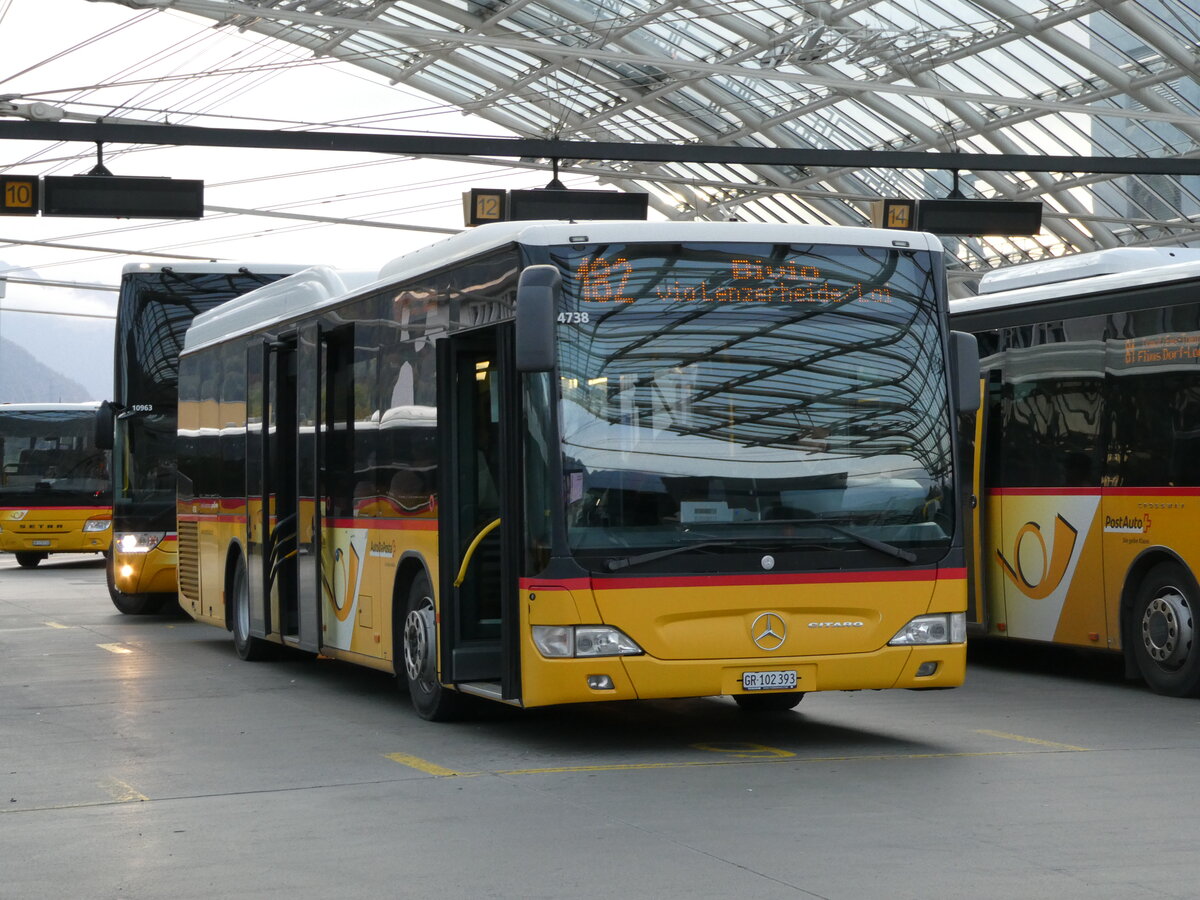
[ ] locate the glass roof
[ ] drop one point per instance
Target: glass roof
(1091, 78)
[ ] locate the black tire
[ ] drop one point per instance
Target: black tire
(129, 604)
(248, 647)
(779, 701)
(1163, 631)
(28, 559)
(417, 653)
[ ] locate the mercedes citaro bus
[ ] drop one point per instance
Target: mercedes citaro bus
(1088, 446)
(549, 463)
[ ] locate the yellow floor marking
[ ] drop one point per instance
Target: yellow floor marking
(123, 791)
(56, 625)
(740, 750)
(434, 769)
(114, 648)
(415, 762)
(1028, 740)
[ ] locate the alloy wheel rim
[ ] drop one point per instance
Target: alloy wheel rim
(1167, 628)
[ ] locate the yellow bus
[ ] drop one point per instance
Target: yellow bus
(54, 485)
(155, 306)
(1088, 457)
(549, 463)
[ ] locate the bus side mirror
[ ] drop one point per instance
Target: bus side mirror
(105, 418)
(964, 371)
(537, 310)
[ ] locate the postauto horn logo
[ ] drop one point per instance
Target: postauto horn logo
(1050, 567)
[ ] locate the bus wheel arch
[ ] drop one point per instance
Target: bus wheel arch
(1160, 624)
(411, 567)
(237, 611)
(415, 644)
(232, 556)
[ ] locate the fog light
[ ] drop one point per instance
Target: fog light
(600, 683)
(926, 669)
(126, 571)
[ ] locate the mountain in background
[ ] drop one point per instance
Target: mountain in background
(25, 380)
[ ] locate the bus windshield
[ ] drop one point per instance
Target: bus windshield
(753, 399)
(49, 458)
(145, 466)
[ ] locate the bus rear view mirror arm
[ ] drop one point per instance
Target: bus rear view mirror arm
(537, 308)
(964, 371)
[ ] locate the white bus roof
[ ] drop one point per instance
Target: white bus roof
(318, 286)
(1084, 265)
(545, 234)
(215, 268)
(1068, 287)
(307, 289)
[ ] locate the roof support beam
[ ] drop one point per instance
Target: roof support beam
(424, 145)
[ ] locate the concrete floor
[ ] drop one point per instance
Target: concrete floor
(139, 758)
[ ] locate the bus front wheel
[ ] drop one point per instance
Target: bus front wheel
(1163, 631)
(29, 559)
(129, 604)
(774, 702)
(418, 642)
(248, 647)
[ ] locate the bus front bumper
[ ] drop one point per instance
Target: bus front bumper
(34, 535)
(554, 681)
(151, 571)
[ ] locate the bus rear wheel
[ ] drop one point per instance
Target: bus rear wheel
(776, 702)
(1163, 632)
(418, 644)
(28, 559)
(248, 647)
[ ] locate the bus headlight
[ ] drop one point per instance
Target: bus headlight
(944, 628)
(97, 525)
(566, 641)
(139, 541)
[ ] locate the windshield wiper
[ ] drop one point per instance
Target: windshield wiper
(617, 563)
(882, 546)
(624, 562)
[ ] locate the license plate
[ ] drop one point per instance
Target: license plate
(778, 680)
(41, 543)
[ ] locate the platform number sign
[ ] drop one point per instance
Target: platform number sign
(482, 205)
(20, 195)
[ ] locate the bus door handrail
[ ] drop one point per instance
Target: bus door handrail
(462, 570)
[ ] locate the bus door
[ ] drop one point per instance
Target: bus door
(973, 432)
(273, 494)
(478, 511)
(341, 544)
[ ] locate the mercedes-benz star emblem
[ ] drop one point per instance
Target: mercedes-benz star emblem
(768, 631)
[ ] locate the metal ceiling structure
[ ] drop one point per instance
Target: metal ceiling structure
(1090, 78)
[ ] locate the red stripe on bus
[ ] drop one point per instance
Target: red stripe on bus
(385, 524)
(1095, 492)
(381, 524)
(873, 577)
(1045, 492)
(211, 517)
